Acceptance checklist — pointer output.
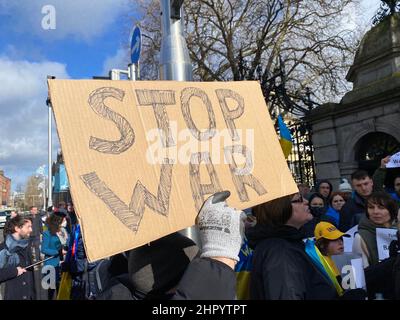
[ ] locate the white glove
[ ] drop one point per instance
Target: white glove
(221, 228)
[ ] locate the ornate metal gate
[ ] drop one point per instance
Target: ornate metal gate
(301, 160)
(290, 105)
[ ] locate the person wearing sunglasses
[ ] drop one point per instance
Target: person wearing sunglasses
(282, 270)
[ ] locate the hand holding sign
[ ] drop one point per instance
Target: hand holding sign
(385, 161)
(221, 228)
(151, 152)
(394, 161)
(384, 236)
(351, 270)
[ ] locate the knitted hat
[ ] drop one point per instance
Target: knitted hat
(345, 186)
(158, 266)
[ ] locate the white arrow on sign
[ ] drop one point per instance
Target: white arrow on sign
(136, 47)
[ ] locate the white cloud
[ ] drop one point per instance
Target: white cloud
(358, 15)
(24, 116)
(118, 61)
(83, 19)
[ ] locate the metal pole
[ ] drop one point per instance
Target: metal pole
(50, 201)
(132, 72)
(50, 186)
(44, 193)
(174, 55)
(175, 62)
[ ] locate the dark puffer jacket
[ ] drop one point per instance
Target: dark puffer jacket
(207, 279)
(282, 270)
(18, 287)
(396, 277)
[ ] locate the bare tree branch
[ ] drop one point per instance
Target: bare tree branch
(247, 39)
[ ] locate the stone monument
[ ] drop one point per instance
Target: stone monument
(365, 126)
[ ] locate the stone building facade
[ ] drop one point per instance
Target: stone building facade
(365, 126)
(5, 190)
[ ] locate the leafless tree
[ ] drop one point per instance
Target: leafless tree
(33, 195)
(248, 39)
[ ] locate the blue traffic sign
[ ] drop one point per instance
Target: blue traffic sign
(136, 45)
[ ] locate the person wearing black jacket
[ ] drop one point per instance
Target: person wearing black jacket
(14, 258)
(324, 188)
(394, 252)
(282, 270)
(37, 230)
(207, 279)
(355, 208)
(221, 230)
(173, 268)
(72, 214)
(156, 268)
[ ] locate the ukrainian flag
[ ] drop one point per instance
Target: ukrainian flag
(286, 137)
(320, 262)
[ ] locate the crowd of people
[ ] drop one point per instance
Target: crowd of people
(33, 241)
(293, 239)
(296, 236)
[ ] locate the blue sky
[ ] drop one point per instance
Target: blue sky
(90, 38)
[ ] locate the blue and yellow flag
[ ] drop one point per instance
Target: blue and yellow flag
(320, 262)
(286, 137)
(243, 269)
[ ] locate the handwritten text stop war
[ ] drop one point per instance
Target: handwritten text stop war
(159, 100)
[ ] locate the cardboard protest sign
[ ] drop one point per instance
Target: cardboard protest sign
(142, 156)
(351, 270)
(384, 237)
(394, 161)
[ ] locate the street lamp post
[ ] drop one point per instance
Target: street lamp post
(175, 61)
(48, 102)
(50, 184)
(174, 55)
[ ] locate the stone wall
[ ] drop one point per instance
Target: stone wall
(372, 106)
